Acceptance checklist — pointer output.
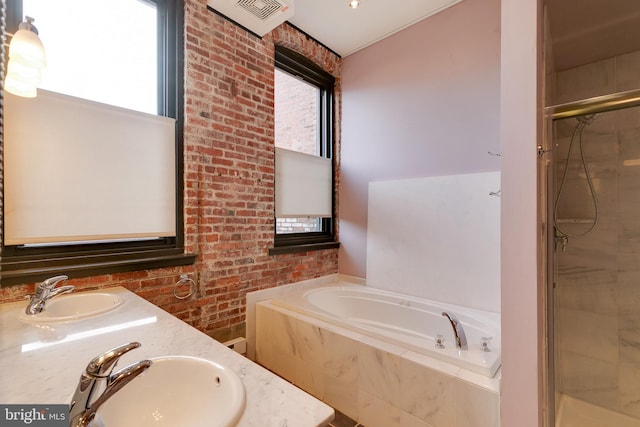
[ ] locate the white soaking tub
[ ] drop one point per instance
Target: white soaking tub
(409, 322)
(372, 355)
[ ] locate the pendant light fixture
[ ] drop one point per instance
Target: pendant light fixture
(26, 60)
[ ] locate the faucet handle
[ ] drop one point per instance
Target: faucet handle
(101, 366)
(486, 342)
(51, 282)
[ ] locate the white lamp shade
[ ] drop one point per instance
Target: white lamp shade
(27, 48)
(26, 59)
(21, 84)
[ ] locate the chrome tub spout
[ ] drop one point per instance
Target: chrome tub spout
(458, 331)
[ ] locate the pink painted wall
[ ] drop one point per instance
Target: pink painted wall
(423, 102)
(432, 100)
(520, 132)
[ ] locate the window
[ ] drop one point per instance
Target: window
(304, 141)
(134, 65)
(91, 58)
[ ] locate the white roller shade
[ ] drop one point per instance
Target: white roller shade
(78, 170)
(303, 185)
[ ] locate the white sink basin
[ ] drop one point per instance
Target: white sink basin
(70, 307)
(177, 391)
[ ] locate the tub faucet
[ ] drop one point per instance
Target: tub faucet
(97, 383)
(44, 292)
(458, 331)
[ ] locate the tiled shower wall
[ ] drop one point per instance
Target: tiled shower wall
(598, 275)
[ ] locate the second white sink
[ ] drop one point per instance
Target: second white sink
(177, 391)
(70, 307)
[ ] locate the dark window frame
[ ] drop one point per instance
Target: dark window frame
(301, 67)
(19, 264)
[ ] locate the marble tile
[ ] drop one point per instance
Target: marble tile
(408, 420)
(587, 258)
(599, 142)
(629, 390)
(628, 211)
(629, 149)
(310, 342)
(284, 364)
(341, 358)
(591, 334)
(341, 395)
(375, 412)
(585, 82)
(629, 291)
(576, 413)
(379, 374)
(476, 407)
(427, 394)
(310, 377)
(284, 336)
(629, 118)
(264, 329)
(589, 379)
(628, 264)
(628, 71)
(255, 297)
(630, 346)
(594, 291)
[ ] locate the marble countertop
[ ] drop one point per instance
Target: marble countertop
(41, 364)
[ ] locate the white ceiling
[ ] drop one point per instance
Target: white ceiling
(345, 30)
(582, 31)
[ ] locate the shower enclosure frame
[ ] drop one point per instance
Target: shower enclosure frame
(599, 104)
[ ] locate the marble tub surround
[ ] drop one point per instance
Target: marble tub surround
(42, 364)
(279, 291)
(375, 383)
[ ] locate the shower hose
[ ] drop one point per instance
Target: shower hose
(583, 121)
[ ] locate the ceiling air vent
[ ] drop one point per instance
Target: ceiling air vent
(257, 16)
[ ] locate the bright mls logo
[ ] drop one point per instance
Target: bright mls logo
(34, 415)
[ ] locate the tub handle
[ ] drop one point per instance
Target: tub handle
(486, 341)
(439, 341)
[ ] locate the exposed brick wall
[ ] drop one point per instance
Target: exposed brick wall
(229, 178)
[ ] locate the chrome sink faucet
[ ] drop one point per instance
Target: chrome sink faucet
(458, 331)
(44, 292)
(97, 383)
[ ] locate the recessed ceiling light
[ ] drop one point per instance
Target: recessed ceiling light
(353, 4)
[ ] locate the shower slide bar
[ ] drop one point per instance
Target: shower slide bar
(598, 104)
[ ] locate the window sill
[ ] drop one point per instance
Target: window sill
(290, 249)
(30, 271)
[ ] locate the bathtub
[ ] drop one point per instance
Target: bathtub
(371, 354)
(409, 322)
